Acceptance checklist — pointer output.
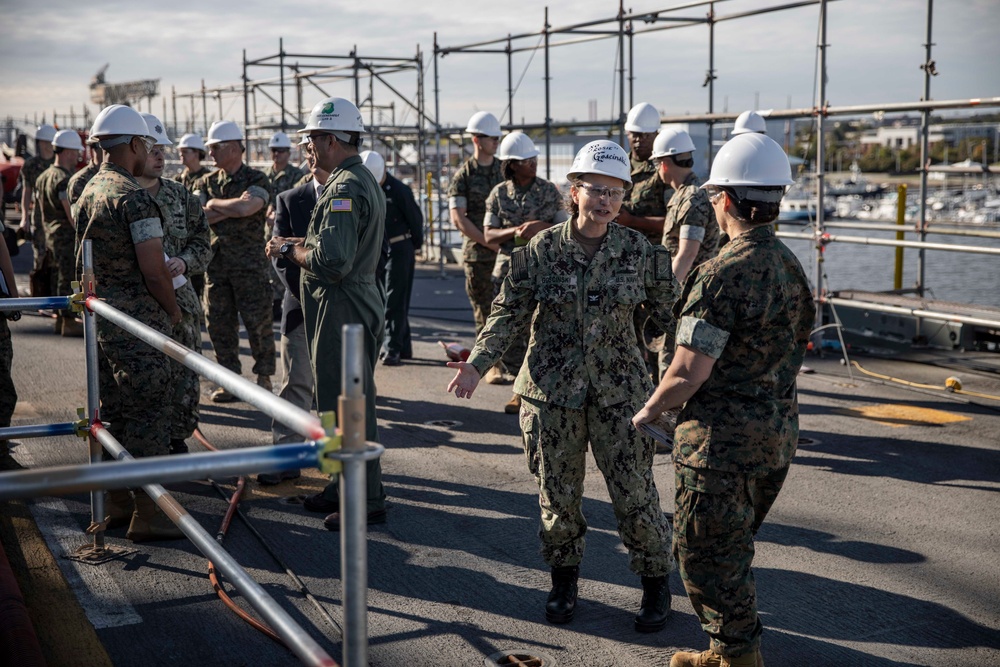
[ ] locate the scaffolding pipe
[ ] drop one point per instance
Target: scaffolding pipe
(820, 151)
(925, 119)
(38, 430)
(88, 285)
(892, 228)
(295, 418)
(865, 240)
(915, 312)
(36, 303)
(548, 108)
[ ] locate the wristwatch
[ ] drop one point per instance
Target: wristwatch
(285, 248)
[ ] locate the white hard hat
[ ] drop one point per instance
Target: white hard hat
(749, 121)
(67, 139)
(517, 146)
(119, 119)
(483, 122)
(602, 157)
(223, 130)
(750, 159)
(45, 133)
(191, 141)
(671, 141)
(334, 114)
(375, 164)
(157, 130)
(279, 140)
(643, 117)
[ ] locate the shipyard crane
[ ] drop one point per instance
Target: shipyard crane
(127, 92)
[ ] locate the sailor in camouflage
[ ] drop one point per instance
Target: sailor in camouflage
(516, 210)
(576, 285)
(192, 152)
(282, 175)
(79, 180)
(52, 199)
(647, 199)
(467, 193)
(235, 201)
(187, 246)
(744, 322)
(31, 213)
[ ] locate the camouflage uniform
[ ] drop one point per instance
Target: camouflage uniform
(338, 286)
(751, 310)
(8, 393)
(78, 181)
(469, 188)
(284, 179)
(582, 381)
(649, 195)
(238, 273)
(60, 235)
(116, 214)
(689, 216)
(190, 178)
(185, 235)
(30, 171)
(510, 205)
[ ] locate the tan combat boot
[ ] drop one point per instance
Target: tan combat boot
(118, 508)
(513, 406)
(712, 659)
(149, 523)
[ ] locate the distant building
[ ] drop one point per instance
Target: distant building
(908, 136)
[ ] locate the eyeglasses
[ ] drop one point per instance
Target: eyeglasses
(713, 195)
(486, 136)
(614, 194)
(148, 142)
(311, 138)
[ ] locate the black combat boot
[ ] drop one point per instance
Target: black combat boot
(562, 599)
(655, 606)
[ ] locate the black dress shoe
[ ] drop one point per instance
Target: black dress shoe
(391, 359)
(178, 446)
(274, 478)
(332, 522)
(320, 504)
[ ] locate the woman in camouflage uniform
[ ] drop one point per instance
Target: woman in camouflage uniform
(743, 323)
(577, 284)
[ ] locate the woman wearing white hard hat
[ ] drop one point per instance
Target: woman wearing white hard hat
(576, 285)
(31, 212)
(192, 150)
(744, 322)
(516, 210)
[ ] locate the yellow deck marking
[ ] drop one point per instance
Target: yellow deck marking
(895, 415)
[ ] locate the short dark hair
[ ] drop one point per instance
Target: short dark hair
(756, 212)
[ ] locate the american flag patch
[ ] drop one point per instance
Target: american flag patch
(340, 205)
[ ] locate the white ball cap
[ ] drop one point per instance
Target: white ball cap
(67, 139)
(119, 119)
(375, 164)
(483, 122)
(279, 140)
(749, 121)
(750, 159)
(671, 141)
(334, 114)
(602, 157)
(223, 130)
(191, 141)
(157, 130)
(517, 146)
(45, 133)
(643, 117)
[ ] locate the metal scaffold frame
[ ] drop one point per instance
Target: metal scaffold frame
(332, 450)
(592, 30)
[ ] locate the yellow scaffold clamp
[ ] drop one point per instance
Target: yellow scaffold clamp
(82, 424)
(331, 443)
(77, 297)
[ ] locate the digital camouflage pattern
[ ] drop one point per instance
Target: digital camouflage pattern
(285, 179)
(339, 286)
(237, 279)
(582, 381)
(190, 178)
(648, 195)
(555, 443)
(469, 188)
(32, 168)
(60, 235)
(78, 181)
(185, 235)
(756, 296)
(116, 214)
(689, 207)
(750, 308)
(582, 337)
(716, 515)
(480, 289)
(510, 205)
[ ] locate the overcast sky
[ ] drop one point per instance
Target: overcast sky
(51, 50)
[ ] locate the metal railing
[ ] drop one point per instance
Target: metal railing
(327, 448)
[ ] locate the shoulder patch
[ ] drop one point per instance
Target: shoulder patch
(661, 264)
(341, 205)
(519, 264)
(342, 189)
